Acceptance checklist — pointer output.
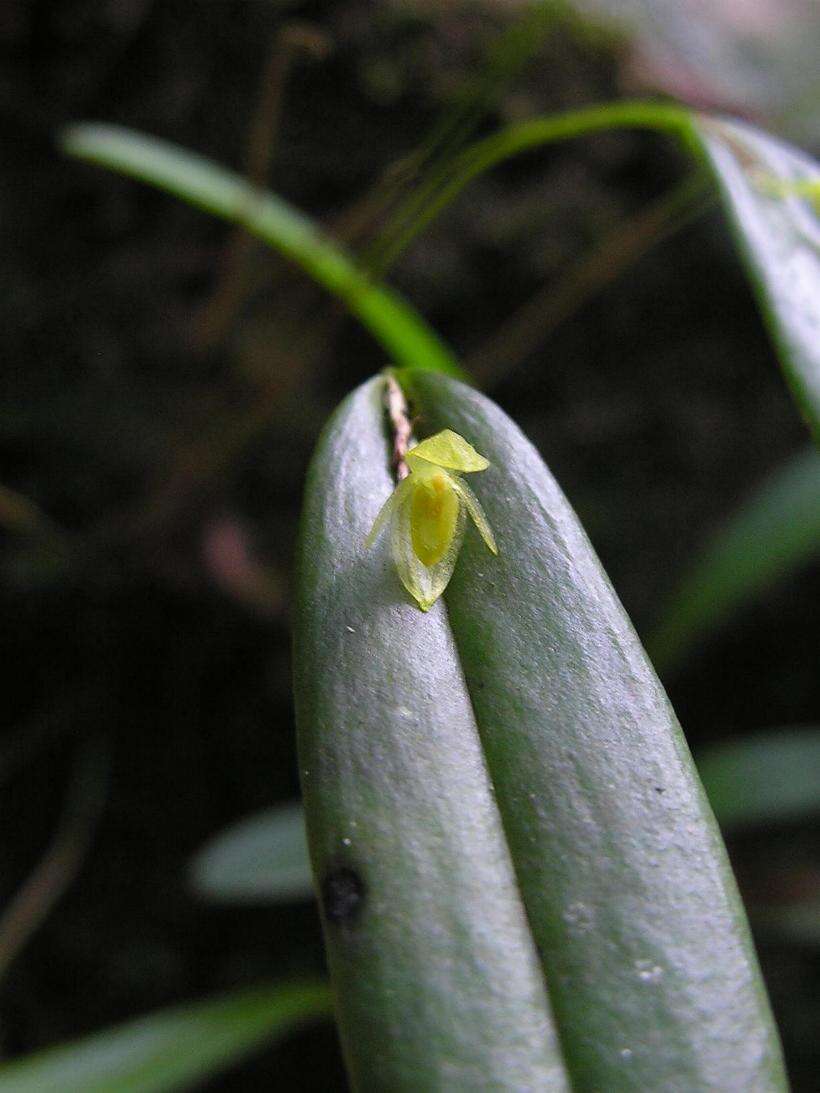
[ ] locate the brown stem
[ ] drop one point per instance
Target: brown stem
(60, 864)
(400, 427)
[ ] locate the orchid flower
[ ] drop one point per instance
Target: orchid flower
(427, 514)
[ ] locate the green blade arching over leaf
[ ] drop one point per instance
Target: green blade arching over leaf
(524, 136)
(776, 230)
(392, 321)
(778, 235)
(170, 1050)
(771, 534)
(435, 970)
(262, 858)
(528, 693)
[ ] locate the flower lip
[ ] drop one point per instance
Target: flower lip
(434, 510)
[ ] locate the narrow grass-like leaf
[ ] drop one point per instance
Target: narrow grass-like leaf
(524, 136)
(169, 1050)
(499, 781)
(762, 182)
(391, 320)
(767, 778)
(775, 531)
(263, 858)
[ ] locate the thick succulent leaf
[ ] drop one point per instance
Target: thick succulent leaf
(260, 859)
(170, 1050)
(501, 782)
(778, 234)
(770, 777)
(435, 969)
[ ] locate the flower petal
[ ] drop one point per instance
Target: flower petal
(384, 512)
(448, 449)
(476, 512)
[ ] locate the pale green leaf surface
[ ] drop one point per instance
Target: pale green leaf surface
(502, 780)
(436, 971)
(776, 530)
(170, 1050)
(261, 858)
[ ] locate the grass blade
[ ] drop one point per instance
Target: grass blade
(405, 336)
(774, 532)
(169, 1050)
(513, 140)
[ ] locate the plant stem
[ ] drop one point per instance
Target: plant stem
(57, 869)
(399, 425)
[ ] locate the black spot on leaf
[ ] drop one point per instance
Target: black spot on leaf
(343, 894)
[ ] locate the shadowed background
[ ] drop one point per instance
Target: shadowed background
(165, 381)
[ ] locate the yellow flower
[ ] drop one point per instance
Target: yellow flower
(427, 517)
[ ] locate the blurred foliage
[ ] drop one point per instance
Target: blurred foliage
(263, 858)
(773, 532)
(767, 777)
(171, 1049)
(165, 384)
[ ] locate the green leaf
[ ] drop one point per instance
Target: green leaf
(391, 320)
(524, 136)
(762, 182)
(261, 859)
(775, 530)
(169, 1050)
(778, 236)
(522, 885)
(797, 922)
(767, 778)
(766, 187)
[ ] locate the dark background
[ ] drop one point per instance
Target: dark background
(164, 438)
